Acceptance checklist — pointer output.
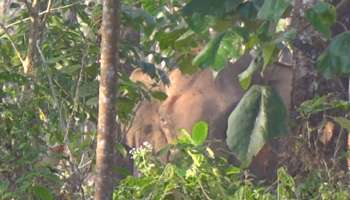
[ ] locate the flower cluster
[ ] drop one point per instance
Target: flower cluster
(142, 150)
(142, 157)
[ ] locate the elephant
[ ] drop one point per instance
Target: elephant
(199, 96)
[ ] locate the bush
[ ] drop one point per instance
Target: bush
(194, 172)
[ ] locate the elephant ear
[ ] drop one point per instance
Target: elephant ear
(259, 117)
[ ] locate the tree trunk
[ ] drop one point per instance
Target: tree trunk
(107, 127)
(33, 37)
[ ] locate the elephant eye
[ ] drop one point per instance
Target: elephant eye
(163, 121)
(148, 129)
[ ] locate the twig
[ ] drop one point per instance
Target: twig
(45, 17)
(203, 190)
(341, 4)
(18, 54)
(342, 25)
(337, 145)
(51, 85)
(76, 96)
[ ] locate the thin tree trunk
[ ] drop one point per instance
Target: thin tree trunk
(33, 37)
(107, 127)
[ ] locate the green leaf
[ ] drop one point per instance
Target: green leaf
(207, 56)
(88, 89)
(322, 15)
(199, 133)
(210, 7)
(233, 170)
(336, 60)
(93, 101)
(285, 36)
(196, 158)
(312, 106)
(230, 47)
(184, 40)
(185, 63)
(269, 50)
(199, 23)
(43, 193)
(121, 150)
(167, 38)
(273, 10)
(159, 95)
(259, 117)
(343, 122)
(286, 185)
(185, 137)
(246, 76)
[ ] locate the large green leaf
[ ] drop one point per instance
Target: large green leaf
(199, 133)
(322, 15)
(207, 56)
(273, 9)
(259, 117)
(336, 60)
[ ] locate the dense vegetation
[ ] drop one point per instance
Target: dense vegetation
(49, 79)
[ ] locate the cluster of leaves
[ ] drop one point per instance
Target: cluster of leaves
(200, 174)
(236, 27)
(244, 26)
(223, 30)
(23, 128)
(59, 106)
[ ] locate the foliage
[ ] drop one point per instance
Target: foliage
(335, 61)
(259, 117)
(322, 15)
(197, 175)
(320, 104)
(59, 104)
(200, 174)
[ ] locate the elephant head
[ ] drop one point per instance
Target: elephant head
(199, 96)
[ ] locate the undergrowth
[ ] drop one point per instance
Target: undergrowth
(195, 172)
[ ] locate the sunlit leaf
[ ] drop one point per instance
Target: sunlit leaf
(199, 133)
